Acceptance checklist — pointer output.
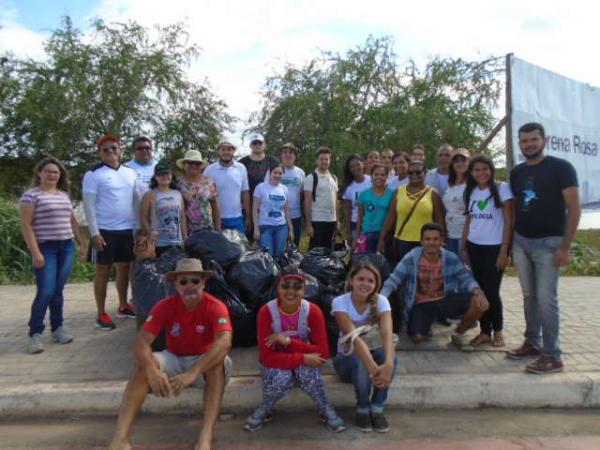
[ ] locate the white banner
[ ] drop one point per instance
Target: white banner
(570, 113)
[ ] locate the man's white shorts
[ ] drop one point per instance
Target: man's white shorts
(173, 365)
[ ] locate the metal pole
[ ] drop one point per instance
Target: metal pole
(509, 141)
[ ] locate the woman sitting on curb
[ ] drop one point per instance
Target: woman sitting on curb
(293, 346)
(370, 370)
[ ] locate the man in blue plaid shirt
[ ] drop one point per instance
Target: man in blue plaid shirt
(437, 284)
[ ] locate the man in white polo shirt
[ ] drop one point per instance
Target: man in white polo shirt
(108, 201)
(231, 180)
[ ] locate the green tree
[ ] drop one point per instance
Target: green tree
(366, 99)
(119, 78)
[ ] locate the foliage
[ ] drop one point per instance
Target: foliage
(365, 99)
(119, 78)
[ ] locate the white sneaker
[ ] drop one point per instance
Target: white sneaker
(61, 336)
(35, 344)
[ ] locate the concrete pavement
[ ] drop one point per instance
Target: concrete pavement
(89, 374)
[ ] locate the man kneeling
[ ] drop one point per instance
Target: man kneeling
(198, 339)
(437, 285)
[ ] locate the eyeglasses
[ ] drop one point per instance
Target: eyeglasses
(110, 148)
(415, 172)
(144, 147)
(183, 281)
(193, 163)
(289, 285)
(255, 142)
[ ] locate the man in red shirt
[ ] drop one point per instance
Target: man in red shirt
(198, 339)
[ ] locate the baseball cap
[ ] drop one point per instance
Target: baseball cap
(256, 137)
(162, 167)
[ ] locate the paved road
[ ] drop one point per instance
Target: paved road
(107, 356)
(424, 430)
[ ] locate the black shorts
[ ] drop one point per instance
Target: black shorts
(119, 247)
(423, 315)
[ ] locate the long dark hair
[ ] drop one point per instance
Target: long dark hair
(63, 183)
(472, 183)
(348, 177)
(373, 296)
(452, 175)
(172, 184)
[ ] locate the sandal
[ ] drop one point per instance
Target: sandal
(481, 339)
(498, 339)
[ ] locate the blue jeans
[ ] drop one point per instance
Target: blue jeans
(372, 240)
(234, 223)
(273, 238)
(454, 245)
(538, 276)
(351, 369)
(51, 280)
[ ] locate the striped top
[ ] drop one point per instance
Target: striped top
(52, 214)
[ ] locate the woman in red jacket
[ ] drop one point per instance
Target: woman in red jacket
(293, 346)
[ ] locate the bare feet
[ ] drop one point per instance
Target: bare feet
(120, 444)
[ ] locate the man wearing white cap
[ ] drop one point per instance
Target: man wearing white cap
(258, 164)
(231, 180)
(199, 332)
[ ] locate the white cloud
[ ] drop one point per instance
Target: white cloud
(16, 38)
(244, 41)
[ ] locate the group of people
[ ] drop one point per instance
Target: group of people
(448, 232)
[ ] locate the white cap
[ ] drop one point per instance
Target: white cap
(256, 137)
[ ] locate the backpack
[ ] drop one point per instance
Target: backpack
(315, 181)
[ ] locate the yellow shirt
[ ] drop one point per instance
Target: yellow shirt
(422, 214)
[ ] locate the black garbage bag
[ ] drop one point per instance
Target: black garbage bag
(207, 245)
(238, 238)
(377, 259)
(311, 292)
(243, 319)
(168, 260)
(254, 277)
(321, 263)
(149, 286)
(291, 257)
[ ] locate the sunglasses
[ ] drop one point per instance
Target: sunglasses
(144, 147)
(194, 163)
(110, 148)
(459, 158)
(255, 142)
(415, 172)
(297, 285)
(183, 281)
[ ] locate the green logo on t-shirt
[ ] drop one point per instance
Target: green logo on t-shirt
(482, 204)
(222, 321)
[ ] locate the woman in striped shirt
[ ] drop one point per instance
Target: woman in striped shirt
(49, 226)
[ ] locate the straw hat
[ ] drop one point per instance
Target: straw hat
(191, 156)
(189, 265)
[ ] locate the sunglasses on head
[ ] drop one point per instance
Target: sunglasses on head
(144, 147)
(183, 281)
(296, 285)
(110, 148)
(415, 172)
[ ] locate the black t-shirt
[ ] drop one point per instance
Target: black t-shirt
(257, 170)
(540, 209)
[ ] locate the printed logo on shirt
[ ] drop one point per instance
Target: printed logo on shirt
(292, 182)
(200, 328)
(481, 205)
(276, 198)
(175, 330)
(529, 194)
(222, 321)
(149, 318)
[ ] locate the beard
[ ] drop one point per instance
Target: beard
(533, 155)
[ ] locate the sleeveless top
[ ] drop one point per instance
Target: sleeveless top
(303, 328)
(422, 214)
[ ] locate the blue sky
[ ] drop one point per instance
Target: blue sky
(245, 41)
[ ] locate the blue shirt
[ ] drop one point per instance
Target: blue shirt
(375, 209)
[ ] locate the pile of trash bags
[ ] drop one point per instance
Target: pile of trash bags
(246, 280)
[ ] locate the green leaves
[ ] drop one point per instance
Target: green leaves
(366, 99)
(119, 78)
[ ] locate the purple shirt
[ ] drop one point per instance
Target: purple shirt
(51, 216)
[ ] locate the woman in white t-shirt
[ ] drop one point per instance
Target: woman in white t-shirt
(453, 199)
(270, 214)
(371, 371)
(355, 181)
(487, 236)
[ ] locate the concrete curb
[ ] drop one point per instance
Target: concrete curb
(564, 390)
